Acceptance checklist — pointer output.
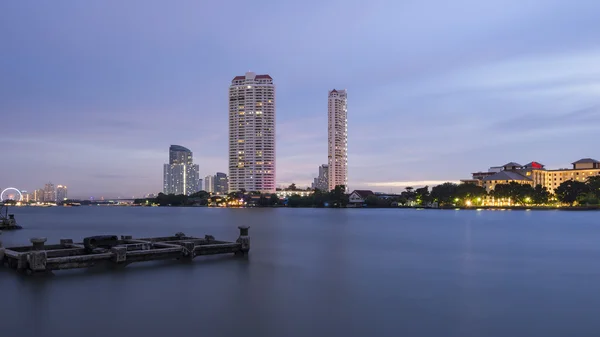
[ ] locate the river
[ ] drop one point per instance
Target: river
(319, 272)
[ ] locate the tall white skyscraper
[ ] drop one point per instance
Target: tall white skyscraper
(338, 138)
(180, 174)
(252, 133)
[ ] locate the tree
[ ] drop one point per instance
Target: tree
(200, 194)
(274, 200)
(320, 198)
(470, 192)
(517, 192)
(593, 184)
(589, 198)
(540, 196)
(372, 201)
(422, 195)
(568, 191)
(292, 187)
(444, 194)
(338, 196)
(294, 200)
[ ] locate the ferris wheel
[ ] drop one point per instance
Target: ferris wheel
(11, 193)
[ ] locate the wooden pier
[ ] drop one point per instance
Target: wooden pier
(110, 249)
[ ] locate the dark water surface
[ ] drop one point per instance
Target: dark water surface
(318, 272)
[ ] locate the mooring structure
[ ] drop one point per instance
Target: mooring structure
(7, 221)
(118, 251)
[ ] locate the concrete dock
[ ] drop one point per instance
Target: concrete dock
(109, 249)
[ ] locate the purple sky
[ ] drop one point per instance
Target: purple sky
(92, 93)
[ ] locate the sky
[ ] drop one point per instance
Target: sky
(92, 93)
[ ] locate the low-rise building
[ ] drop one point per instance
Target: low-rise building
(287, 194)
(535, 174)
(359, 196)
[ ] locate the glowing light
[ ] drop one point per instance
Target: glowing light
(468, 202)
(5, 195)
(455, 199)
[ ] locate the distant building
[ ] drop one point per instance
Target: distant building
(221, 183)
(37, 195)
(252, 133)
(61, 193)
(25, 196)
(287, 194)
(180, 175)
(209, 184)
(358, 197)
(321, 182)
(535, 173)
(200, 184)
(338, 138)
(49, 193)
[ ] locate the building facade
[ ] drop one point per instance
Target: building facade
(38, 195)
(61, 193)
(337, 138)
(252, 133)
(221, 183)
(321, 182)
(209, 184)
(49, 193)
(180, 175)
(535, 174)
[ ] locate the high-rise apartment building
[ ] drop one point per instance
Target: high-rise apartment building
(338, 138)
(49, 193)
(180, 174)
(321, 182)
(209, 184)
(221, 183)
(252, 133)
(61, 193)
(38, 195)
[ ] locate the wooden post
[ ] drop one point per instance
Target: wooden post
(244, 239)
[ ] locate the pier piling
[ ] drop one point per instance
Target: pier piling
(39, 257)
(244, 240)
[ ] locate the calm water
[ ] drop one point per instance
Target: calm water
(317, 272)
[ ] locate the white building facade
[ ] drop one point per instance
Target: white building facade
(209, 184)
(252, 133)
(338, 138)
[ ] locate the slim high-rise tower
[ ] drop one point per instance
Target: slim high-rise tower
(252, 133)
(338, 138)
(180, 174)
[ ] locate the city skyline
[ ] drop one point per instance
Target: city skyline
(502, 81)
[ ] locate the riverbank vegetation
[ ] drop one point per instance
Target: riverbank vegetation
(570, 193)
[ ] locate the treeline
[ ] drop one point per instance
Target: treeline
(570, 192)
(334, 198)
